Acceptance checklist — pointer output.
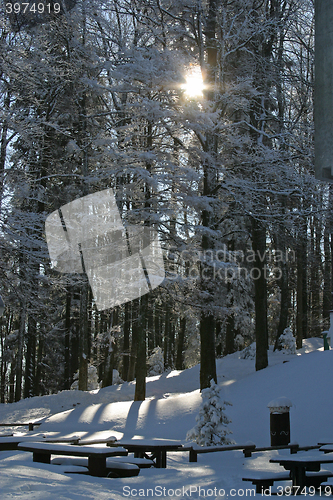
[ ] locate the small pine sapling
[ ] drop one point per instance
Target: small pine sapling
(156, 362)
(287, 342)
(212, 423)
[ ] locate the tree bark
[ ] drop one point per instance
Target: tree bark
(180, 344)
(126, 341)
(19, 357)
(67, 370)
(260, 293)
(83, 355)
(30, 362)
(141, 369)
(207, 320)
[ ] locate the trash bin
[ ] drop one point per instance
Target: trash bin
(280, 421)
(327, 340)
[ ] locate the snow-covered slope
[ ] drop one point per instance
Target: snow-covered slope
(169, 412)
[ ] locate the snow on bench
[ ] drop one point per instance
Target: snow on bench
(142, 463)
(96, 455)
(30, 425)
(12, 442)
(114, 468)
(196, 449)
(263, 480)
(316, 478)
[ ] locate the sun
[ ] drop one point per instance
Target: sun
(194, 85)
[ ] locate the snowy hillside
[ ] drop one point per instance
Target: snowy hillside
(169, 412)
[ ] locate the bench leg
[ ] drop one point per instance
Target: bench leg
(43, 458)
(263, 485)
(193, 456)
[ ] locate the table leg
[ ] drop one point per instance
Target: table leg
(298, 478)
(97, 465)
(163, 455)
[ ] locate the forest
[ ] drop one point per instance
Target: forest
(97, 96)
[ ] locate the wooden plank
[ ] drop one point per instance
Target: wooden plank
(264, 480)
(68, 449)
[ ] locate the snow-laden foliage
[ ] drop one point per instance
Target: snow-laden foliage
(249, 352)
(92, 379)
(215, 175)
(287, 342)
(156, 362)
(116, 378)
(212, 423)
(239, 342)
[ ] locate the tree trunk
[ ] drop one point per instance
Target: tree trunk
(285, 302)
(40, 351)
(207, 351)
(260, 304)
(126, 342)
(180, 345)
(141, 369)
(218, 337)
(83, 355)
(134, 343)
(67, 370)
(327, 277)
(207, 320)
(300, 298)
(230, 336)
(19, 357)
(30, 364)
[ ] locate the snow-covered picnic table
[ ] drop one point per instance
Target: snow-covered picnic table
(157, 448)
(305, 469)
(97, 455)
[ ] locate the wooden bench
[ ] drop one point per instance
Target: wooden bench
(316, 478)
(247, 449)
(152, 449)
(142, 463)
(194, 452)
(96, 456)
(264, 480)
(294, 448)
(11, 442)
(30, 425)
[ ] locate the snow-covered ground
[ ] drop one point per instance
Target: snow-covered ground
(169, 411)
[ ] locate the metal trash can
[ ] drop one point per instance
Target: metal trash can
(280, 421)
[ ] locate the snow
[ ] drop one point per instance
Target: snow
(169, 413)
(67, 448)
(279, 403)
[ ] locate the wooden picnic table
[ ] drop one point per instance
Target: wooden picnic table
(301, 463)
(157, 448)
(96, 455)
